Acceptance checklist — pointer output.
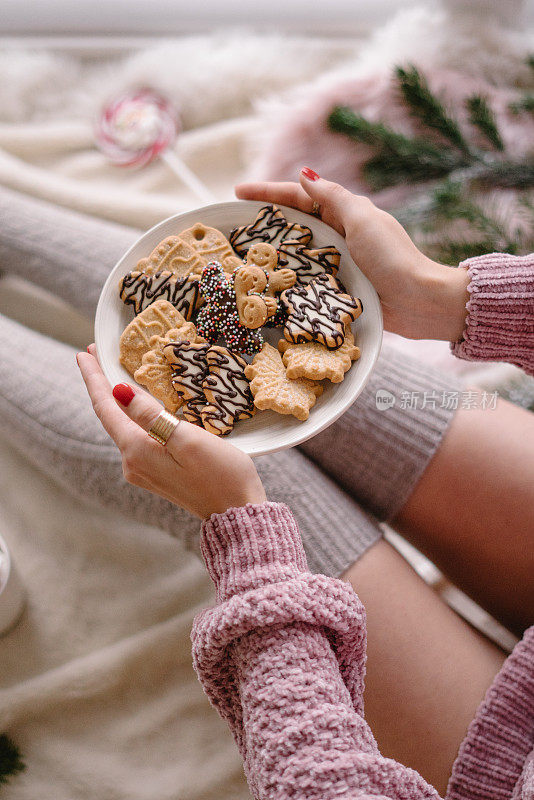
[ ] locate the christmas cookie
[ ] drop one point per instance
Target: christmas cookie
(254, 305)
(219, 317)
(312, 360)
(319, 311)
(227, 391)
(138, 289)
(136, 339)
(272, 388)
(211, 245)
(306, 262)
(269, 226)
(155, 372)
(189, 368)
(174, 255)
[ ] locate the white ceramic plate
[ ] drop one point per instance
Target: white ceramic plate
(267, 431)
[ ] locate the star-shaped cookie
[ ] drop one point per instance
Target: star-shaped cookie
(312, 360)
(269, 226)
(319, 312)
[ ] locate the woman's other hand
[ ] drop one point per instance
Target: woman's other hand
(195, 469)
(420, 298)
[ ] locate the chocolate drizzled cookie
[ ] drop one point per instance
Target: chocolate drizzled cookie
(270, 226)
(319, 312)
(140, 290)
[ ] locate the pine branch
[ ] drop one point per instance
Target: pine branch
(11, 762)
(525, 103)
(483, 118)
(425, 106)
(399, 157)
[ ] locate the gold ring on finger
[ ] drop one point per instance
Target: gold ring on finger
(163, 427)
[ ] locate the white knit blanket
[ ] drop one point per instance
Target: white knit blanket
(96, 683)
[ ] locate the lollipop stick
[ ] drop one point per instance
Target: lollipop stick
(182, 171)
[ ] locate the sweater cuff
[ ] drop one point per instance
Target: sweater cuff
(252, 546)
(500, 319)
(499, 740)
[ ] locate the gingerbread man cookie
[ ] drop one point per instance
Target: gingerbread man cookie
(265, 256)
(139, 290)
(269, 226)
(227, 391)
(254, 304)
(219, 317)
(272, 388)
(174, 255)
(319, 311)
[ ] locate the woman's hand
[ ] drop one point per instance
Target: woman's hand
(195, 469)
(420, 298)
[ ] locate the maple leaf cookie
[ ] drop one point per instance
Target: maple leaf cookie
(269, 226)
(312, 360)
(272, 388)
(319, 311)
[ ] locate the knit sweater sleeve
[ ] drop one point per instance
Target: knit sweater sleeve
(500, 310)
(281, 656)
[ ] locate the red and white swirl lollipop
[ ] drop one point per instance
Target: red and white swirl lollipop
(138, 126)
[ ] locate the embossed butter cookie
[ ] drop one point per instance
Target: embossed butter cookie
(319, 312)
(136, 338)
(269, 226)
(272, 388)
(227, 391)
(174, 255)
(138, 289)
(312, 360)
(155, 372)
(211, 245)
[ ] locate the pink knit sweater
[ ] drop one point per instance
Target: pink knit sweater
(282, 654)
(500, 319)
(282, 658)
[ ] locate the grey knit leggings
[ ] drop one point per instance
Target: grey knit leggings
(339, 485)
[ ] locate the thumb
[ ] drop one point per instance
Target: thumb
(337, 206)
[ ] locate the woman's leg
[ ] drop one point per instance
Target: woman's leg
(457, 484)
(47, 415)
(427, 670)
(66, 253)
(472, 512)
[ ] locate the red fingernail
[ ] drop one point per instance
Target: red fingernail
(310, 174)
(123, 393)
(88, 349)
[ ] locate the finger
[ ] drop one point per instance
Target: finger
(284, 194)
(338, 207)
(116, 424)
(92, 351)
(143, 410)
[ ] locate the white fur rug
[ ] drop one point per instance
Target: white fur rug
(96, 684)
